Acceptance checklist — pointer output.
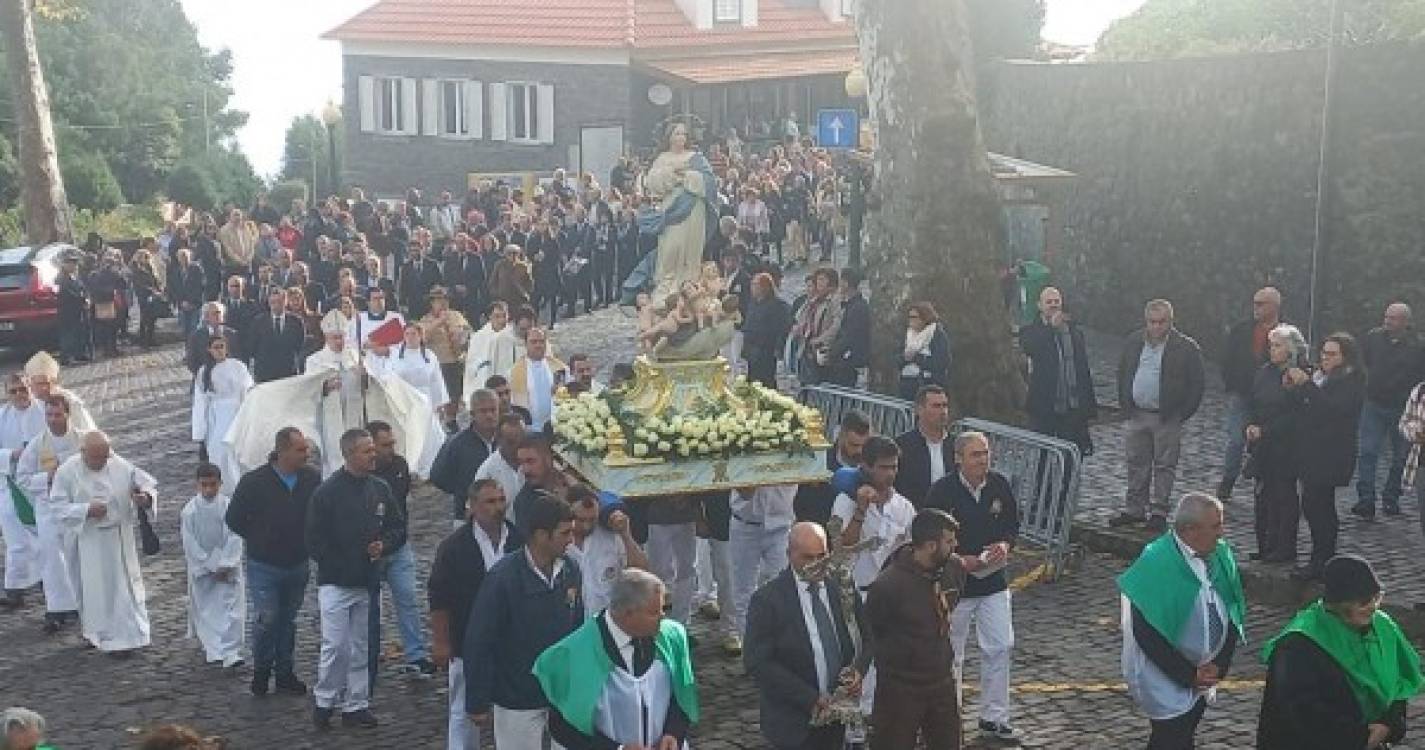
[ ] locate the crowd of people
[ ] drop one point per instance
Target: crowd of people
(559, 613)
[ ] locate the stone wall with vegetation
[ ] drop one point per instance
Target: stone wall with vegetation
(1198, 181)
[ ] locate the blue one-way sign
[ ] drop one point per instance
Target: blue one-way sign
(838, 128)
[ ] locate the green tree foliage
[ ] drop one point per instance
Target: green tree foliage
(1193, 28)
(9, 173)
(190, 185)
(88, 181)
(1005, 29)
(283, 192)
(128, 79)
(307, 140)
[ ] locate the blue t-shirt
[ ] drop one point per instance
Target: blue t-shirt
(288, 479)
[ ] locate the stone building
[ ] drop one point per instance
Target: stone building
(440, 92)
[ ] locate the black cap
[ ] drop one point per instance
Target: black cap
(1349, 578)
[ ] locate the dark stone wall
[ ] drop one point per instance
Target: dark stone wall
(584, 94)
(1198, 181)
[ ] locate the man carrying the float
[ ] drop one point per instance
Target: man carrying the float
(624, 678)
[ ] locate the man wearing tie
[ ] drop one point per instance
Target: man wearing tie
(418, 277)
(197, 347)
(801, 643)
(275, 340)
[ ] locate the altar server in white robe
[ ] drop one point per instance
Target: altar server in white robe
(415, 364)
(364, 323)
(218, 391)
(111, 491)
(54, 445)
(217, 606)
(492, 350)
(43, 372)
(21, 418)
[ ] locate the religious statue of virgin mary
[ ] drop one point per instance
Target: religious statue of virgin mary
(682, 182)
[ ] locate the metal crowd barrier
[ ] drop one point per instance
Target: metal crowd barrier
(1044, 473)
(888, 416)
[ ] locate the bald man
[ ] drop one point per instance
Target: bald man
(1242, 356)
(104, 495)
(799, 645)
(1395, 362)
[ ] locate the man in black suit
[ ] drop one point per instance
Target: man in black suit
(851, 347)
(418, 277)
(814, 501)
(185, 291)
(926, 454)
(275, 340)
(238, 312)
(196, 354)
(799, 646)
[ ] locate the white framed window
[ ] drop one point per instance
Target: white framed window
(522, 112)
(387, 105)
(727, 11)
(451, 101)
(848, 8)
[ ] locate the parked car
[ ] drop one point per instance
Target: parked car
(29, 299)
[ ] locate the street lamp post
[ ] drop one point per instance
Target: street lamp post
(331, 117)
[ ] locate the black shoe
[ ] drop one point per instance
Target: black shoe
(1390, 508)
(288, 684)
(423, 669)
(322, 718)
(1364, 510)
(363, 718)
(1255, 556)
(1224, 490)
(260, 678)
(1157, 524)
(1001, 734)
(1124, 519)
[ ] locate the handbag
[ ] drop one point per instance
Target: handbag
(147, 536)
(105, 311)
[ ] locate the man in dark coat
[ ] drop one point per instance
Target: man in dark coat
(275, 340)
(813, 501)
(927, 454)
(184, 289)
(1395, 362)
(1243, 354)
(418, 276)
(1061, 399)
(764, 330)
(461, 456)
(213, 325)
(73, 311)
(851, 347)
(799, 661)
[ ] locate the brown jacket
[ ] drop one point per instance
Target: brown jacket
(908, 614)
(447, 335)
(511, 283)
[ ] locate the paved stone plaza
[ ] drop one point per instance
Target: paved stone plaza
(1066, 680)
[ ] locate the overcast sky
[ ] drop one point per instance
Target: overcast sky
(283, 70)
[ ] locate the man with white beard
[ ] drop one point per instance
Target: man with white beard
(112, 492)
(20, 420)
(35, 471)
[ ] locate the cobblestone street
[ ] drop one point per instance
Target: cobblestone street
(1066, 682)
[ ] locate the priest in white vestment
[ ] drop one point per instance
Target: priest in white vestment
(110, 490)
(493, 350)
(217, 604)
(42, 457)
(43, 372)
(21, 418)
(218, 391)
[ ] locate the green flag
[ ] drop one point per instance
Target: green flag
(23, 508)
(1162, 586)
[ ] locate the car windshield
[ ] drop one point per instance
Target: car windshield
(13, 255)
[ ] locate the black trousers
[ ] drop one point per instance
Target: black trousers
(1318, 504)
(829, 737)
(762, 368)
(1277, 511)
(1178, 732)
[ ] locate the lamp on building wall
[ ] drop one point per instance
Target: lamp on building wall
(331, 117)
(856, 84)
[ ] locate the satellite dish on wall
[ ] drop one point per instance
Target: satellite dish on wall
(660, 95)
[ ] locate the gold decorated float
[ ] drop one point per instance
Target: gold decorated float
(682, 427)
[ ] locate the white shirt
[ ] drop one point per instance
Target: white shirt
(973, 489)
(817, 654)
(622, 641)
(490, 549)
(508, 477)
(770, 507)
(890, 523)
(601, 557)
(553, 573)
(541, 393)
(937, 460)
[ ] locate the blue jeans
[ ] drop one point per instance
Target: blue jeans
(275, 594)
(1379, 425)
(1237, 414)
(399, 572)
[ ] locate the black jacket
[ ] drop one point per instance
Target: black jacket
(1181, 384)
(347, 514)
(457, 572)
(1329, 430)
(185, 285)
(414, 286)
(813, 501)
(397, 476)
(852, 345)
(981, 524)
(456, 464)
(1040, 344)
(934, 365)
(1280, 414)
(764, 330)
(275, 354)
(1394, 365)
(777, 654)
(1308, 703)
(913, 479)
(196, 354)
(1239, 362)
(1166, 657)
(271, 519)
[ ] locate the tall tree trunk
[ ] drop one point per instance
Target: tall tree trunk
(46, 209)
(937, 234)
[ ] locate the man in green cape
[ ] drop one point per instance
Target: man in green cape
(1182, 620)
(1340, 673)
(624, 678)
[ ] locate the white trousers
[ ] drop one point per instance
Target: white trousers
(461, 733)
(715, 581)
(758, 554)
(522, 730)
(994, 631)
(342, 680)
(22, 561)
(672, 551)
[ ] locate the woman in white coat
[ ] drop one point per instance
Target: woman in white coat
(218, 392)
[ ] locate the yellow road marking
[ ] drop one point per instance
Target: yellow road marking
(1050, 688)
